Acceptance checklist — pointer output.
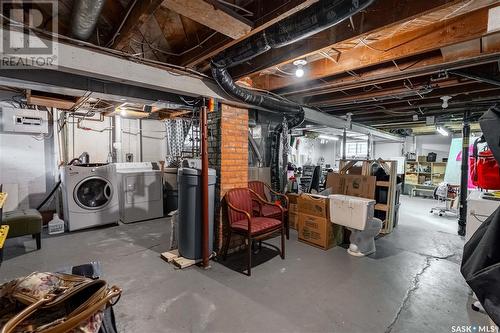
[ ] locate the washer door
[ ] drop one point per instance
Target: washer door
(93, 193)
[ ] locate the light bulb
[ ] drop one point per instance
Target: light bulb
(299, 72)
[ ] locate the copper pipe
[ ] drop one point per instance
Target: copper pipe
(204, 184)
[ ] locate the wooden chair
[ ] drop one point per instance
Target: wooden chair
(243, 222)
(270, 210)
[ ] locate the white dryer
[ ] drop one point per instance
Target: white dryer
(141, 191)
(90, 196)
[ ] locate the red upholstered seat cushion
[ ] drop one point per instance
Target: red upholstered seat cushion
(259, 224)
(268, 210)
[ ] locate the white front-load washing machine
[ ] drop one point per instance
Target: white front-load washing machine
(90, 196)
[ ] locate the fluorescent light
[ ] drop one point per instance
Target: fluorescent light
(328, 137)
(442, 131)
(299, 72)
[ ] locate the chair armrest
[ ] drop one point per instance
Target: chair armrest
(269, 203)
(278, 194)
(247, 215)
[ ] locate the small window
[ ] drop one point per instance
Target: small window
(357, 149)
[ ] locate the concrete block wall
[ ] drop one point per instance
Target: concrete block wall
(228, 155)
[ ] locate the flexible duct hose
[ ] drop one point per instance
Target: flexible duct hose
(320, 16)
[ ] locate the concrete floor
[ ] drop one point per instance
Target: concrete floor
(412, 283)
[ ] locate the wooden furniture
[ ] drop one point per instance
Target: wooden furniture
(243, 221)
(419, 172)
(422, 188)
(266, 210)
(387, 210)
(4, 230)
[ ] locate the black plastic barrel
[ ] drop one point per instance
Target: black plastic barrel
(189, 208)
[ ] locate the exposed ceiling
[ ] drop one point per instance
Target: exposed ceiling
(389, 65)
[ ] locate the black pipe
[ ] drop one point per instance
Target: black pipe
(49, 196)
(320, 16)
(462, 221)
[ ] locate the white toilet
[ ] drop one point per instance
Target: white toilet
(357, 215)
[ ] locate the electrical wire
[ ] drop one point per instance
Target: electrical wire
(166, 66)
(173, 53)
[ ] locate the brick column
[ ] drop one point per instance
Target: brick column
(228, 155)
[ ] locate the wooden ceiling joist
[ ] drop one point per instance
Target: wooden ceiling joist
(195, 58)
(139, 13)
(211, 16)
(442, 34)
(382, 18)
(35, 98)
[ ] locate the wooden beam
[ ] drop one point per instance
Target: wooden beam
(50, 102)
(442, 34)
(210, 16)
(380, 18)
(194, 58)
(139, 14)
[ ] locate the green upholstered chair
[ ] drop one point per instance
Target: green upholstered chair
(23, 222)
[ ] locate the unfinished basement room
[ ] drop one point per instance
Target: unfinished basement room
(256, 166)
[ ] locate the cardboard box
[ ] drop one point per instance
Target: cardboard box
(293, 197)
(353, 185)
(293, 220)
(313, 204)
(319, 232)
(293, 208)
(411, 178)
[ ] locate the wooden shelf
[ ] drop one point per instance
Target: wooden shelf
(3, 198)
(381, 207)
(384, 184)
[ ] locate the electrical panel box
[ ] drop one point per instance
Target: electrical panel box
(24, 121)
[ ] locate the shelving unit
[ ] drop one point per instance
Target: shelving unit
(417, 173)
(306, 178)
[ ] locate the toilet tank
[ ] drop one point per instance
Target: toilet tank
(351, 212)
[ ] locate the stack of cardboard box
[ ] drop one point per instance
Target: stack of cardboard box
(314, 226)
(293, 210)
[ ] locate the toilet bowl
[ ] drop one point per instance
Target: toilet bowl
(356, 214)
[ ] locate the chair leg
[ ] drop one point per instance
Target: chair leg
(287, 226)
(249, 259)
(226, 245)
(38, 238)
(282, 243)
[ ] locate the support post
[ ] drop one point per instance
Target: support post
(344, 143)
(141, 157)
(369, 146)
(465, 174)
(204, 184)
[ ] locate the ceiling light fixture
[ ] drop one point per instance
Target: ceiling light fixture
(445, 101)
(328, 137)
(299, 72)
(442, 131)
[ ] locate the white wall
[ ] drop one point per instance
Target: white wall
(313, 150)
(433, 143)
(27, 163)
(387, 150)
(97, 143)
(424, 144)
